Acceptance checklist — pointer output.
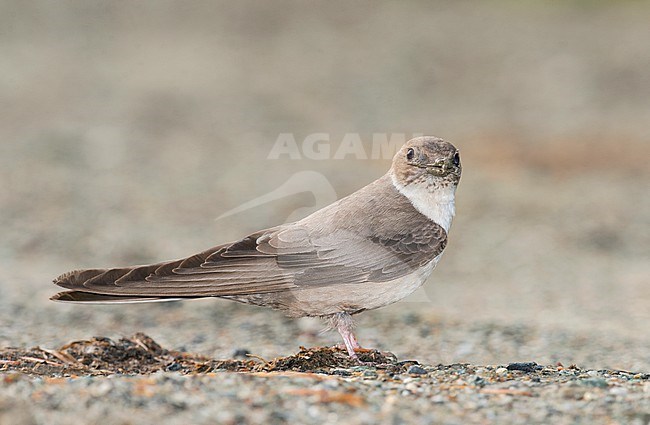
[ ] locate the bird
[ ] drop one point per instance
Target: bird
(362, 252)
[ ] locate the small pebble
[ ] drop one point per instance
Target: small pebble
(618, 391)
(241, 353)
(527, 367)
(573, 393)
(594, 382)
(477, 380)
(101, 389)
(438, 399)
(416, 370)
(174, 367)
(412, 387)
(341, 372)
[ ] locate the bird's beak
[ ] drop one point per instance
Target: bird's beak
(441, 167)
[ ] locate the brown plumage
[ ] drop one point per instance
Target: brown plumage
(364, 251)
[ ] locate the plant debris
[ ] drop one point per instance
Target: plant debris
(141, 355)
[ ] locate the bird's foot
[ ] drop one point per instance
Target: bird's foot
(353, 354)
(357, 349)
(343, 323)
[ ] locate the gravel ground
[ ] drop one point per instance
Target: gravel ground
(126, 129)
(318, 385)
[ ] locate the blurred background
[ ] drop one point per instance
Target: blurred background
(127, 128)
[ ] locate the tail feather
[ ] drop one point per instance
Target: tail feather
(80, 279)
(76, 278)
(90, 298)
(78, 282)
(178, 279)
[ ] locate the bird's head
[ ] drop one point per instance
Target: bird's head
(427, 160)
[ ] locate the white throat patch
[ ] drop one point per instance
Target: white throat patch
(438, 205)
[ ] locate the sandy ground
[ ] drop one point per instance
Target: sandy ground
(127, 130)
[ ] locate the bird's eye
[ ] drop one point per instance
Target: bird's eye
(410, 153)
(456, 159)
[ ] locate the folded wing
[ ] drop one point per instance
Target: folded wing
(289, 257)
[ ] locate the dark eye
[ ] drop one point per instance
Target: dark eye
(410, 153)
(456, 159)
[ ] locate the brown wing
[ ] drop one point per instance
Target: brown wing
(344, 256)
(278, 259)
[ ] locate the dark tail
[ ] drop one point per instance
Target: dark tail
(107, 285)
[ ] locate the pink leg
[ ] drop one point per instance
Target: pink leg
(344, 324)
